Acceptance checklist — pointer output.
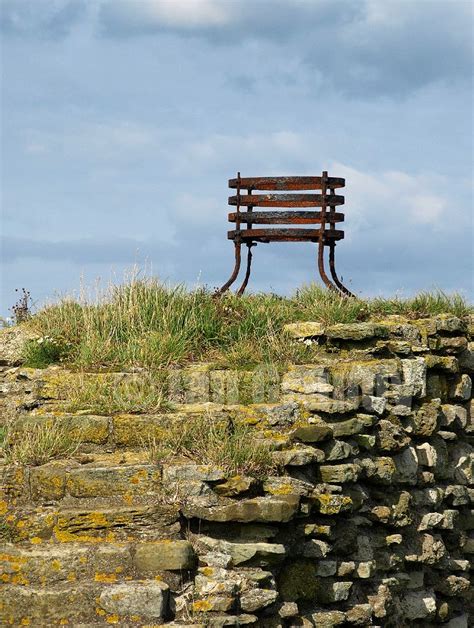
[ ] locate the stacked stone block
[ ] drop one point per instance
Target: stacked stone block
(364, 518)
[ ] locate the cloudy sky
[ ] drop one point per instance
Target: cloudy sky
(123, 119)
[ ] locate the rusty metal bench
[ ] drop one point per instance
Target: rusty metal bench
(326, 218)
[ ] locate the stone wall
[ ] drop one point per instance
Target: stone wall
(364, 520)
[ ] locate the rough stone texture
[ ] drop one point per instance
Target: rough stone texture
(363, 518)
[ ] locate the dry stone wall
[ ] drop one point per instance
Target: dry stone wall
(364, 518)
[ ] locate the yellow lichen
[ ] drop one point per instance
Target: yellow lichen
(201, 606)
(105, 577)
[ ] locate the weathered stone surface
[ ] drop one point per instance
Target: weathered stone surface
(352, 426)
(48, 481)
(148, 599)
(442, 363)
(314, 432)
(306, 381)
(236, 485)
(257, 599)
(337, 450)
(272, 508)
(203, 472)
(105, 481)
(298, 457)
(414, 376)
(12, 344)
(453, 416)
(461, 388)
(304, 330)
(255, 553)
(286, 485)
(362, 517)
(357, 331)
(339, 473)
(419, 604)
(391, 436)
(164, 555)
(424, 421)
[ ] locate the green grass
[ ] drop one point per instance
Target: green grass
(225, 444)
(38, 444)
(148, 324)
(103, 395)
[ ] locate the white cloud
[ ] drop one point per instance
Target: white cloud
(185, 13)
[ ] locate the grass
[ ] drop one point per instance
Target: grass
(231, 447)
(148, 324)
(40, 443)
(105, 395)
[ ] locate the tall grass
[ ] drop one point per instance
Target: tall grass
(147, 323)
(225, 444)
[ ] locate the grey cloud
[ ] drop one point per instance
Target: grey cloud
(42, 19)
(356, 51)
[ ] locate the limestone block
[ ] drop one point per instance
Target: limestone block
(419, 604)
(156, 556)
(406, 464)
(304, 330)
(356, 331)
(338, 450)
(257, 599)
(258, 509)
(306, 380)
(390, 435)
(461, 388)
(147, 598)
(298, 456)
(339, 473)
(48, 481)
(352, 426)
(312, 432)
(196, 472)
(105, 481)
(453, 416)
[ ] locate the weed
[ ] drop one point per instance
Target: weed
(22, 309)
(106, 394)
(43, 351)
(37, 443)
(225, 444)
(7, 531)
(148, 324)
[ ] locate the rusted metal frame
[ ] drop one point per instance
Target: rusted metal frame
(287, 200)
(237, 246)
(286, 183)
(332, 252)
(321, 240)
(241, 290)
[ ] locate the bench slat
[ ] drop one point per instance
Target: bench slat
(286, 200)
(284, 218)
(286, 183)
(284, 235)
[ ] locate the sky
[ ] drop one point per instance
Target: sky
(122, 120)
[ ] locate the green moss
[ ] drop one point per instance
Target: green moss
(298, 581)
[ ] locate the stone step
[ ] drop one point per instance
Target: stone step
(47, 564)
(97, 520)
(136, 602)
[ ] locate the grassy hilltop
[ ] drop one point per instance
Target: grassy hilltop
(145, 323)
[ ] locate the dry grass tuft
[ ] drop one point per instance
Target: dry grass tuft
(37, 443)
(224, 444)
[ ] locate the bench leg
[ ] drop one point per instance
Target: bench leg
(235, 272)
(247, 272)
(322, 270)
(332, 267)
